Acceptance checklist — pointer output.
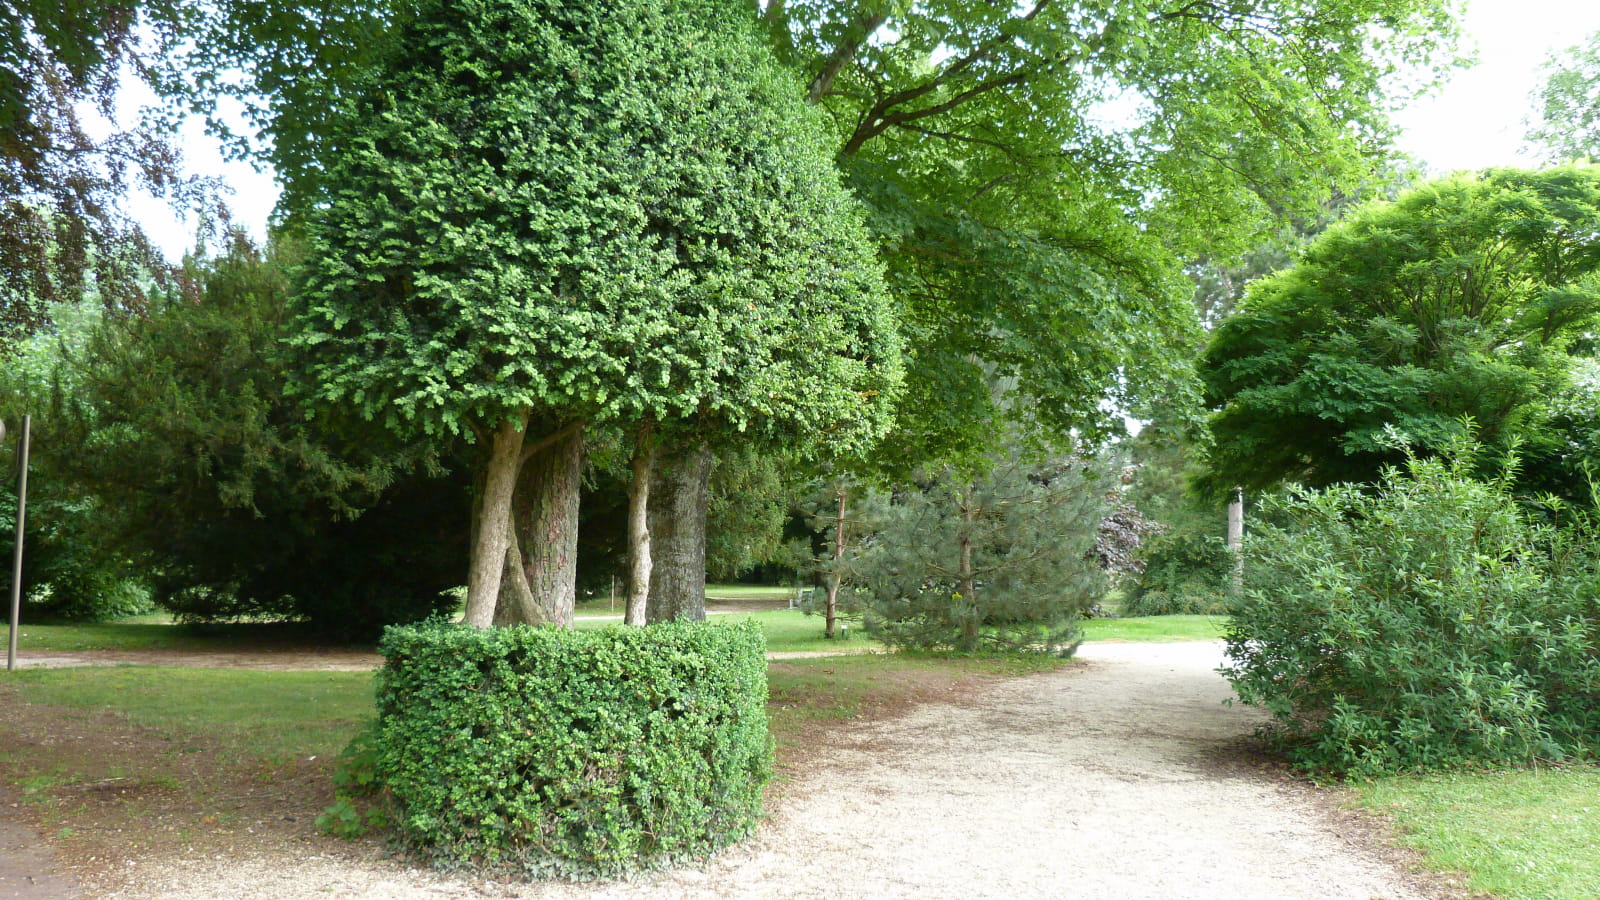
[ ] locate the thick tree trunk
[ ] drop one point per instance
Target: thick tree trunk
(838, 563)
(546, 526)
(679, 493)
(644, 455)
(492, 531)
(965, 583)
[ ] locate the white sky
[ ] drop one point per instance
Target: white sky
(1477, 120)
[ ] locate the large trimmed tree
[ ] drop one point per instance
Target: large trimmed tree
(535, 216)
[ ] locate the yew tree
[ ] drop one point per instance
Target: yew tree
(531, 216)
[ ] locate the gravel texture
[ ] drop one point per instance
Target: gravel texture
(1125, 777)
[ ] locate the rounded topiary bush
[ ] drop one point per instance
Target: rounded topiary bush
(573, 753)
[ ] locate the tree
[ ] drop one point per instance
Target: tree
(1002, 560)
(1566, 119)
(62, 231)
(1462, 300)
(625, 216)
(196, 460)
(1031, 235)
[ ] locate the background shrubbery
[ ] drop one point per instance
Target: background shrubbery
(1424, 622)
(542, 751)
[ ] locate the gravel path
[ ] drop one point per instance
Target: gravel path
(1122, 778)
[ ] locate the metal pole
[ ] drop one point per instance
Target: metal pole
(16, 554)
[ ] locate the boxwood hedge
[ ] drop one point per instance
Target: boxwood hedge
(573, 753)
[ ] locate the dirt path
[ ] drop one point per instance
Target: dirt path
(1122, 778)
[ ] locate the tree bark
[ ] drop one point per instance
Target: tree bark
(965, 583)
(680, 491)
(546, 526)
(832, 616)
(644, 457)
(492, 531)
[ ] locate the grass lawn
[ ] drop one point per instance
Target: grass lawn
(270, 716)
(1156, 628)
(1519, 835)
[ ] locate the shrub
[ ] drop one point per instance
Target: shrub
(1186, 600)
(1003, 562)
(1183, 573)
(547, 752)
(1424, 623)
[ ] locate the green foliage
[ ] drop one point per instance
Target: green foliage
(1566, 120)
(360, 804)
(999, 562)
(624, 214)
(1466, 298)
(1424, 624)
(1183, 573)
(544, 751)
(202, 467)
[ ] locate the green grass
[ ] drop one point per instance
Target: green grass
(265, 715)
(787, 631)
(1524, 835)
(1156, 628)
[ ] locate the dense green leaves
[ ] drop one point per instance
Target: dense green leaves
(549, 752)
(619, 214)
(1427, 623)
(1464, 299)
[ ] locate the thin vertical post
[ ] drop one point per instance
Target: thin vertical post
(16, 553)
(1236, 538)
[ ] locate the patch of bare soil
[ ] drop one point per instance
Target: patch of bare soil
(1123, 777)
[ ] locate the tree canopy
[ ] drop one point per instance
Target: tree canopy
(623, 213)
(1566, 119)
(1039, 174)
(1459, 305)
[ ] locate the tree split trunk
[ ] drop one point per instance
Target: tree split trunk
(677, 517)
(492, 532)
(546, 527)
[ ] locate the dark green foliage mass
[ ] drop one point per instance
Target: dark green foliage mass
(1428, 623)
(1464, 299)
(550, 752)
(210, 475)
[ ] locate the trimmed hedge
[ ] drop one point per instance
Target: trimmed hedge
(573, 753)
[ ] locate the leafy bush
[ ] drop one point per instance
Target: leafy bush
(550, 752)
(1187, 600)
(1425, 623)
(1183, 573)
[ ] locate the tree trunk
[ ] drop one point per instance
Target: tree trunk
(834, 577)
(492, 531)
(680, 490)
(547, 528)
(644, 457)
(964, 579)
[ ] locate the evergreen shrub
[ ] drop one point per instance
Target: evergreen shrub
(1427, 622)
(544, 752)
(1183, 573)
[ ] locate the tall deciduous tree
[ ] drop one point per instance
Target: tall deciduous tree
(1462, 299)
(1566, 120)
(62, 229)
(621, 213)
(1039, 172)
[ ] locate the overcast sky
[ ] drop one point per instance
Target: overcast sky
(1477, 120)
